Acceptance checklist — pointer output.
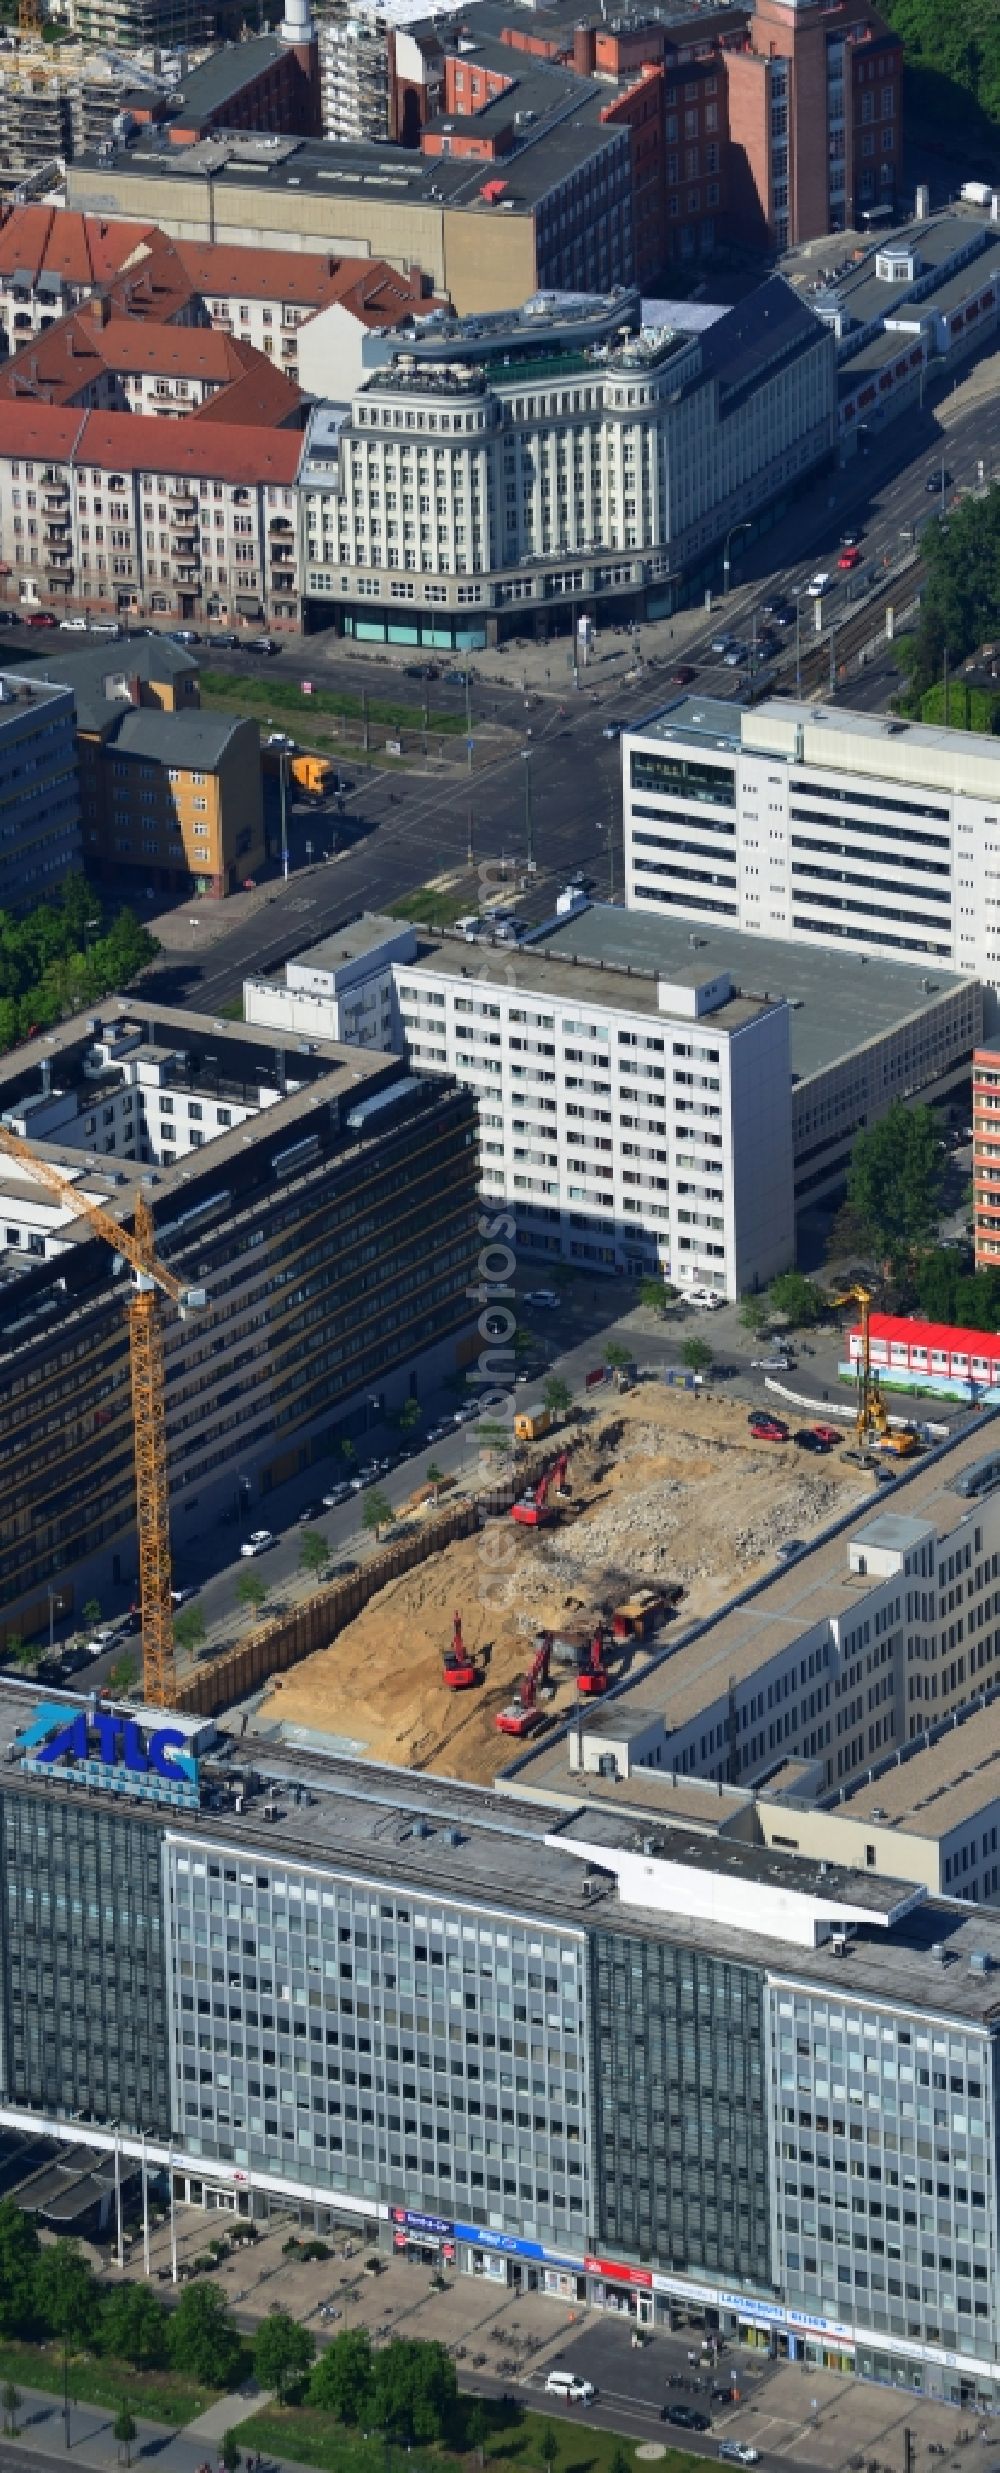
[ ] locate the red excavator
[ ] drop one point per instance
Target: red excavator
(460, 1670)
(523, 1714)
(534, 1510)
(593, 1676)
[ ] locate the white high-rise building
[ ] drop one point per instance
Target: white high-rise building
(820, 825)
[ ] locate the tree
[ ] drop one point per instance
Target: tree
(895, 1178)
(755, 1314)
(651, 1294)
(123, 1673)
(134, 2326)
(251, 1590)
(126, 2430)
(435, 1477)
(413, 2390)
(798, 1298)
(19, 2254)
(202, 2340)
(282, 2352)
(347, 1451)
(189, 1629)
(961, 554)
(697, 1356)
(314, 1553)
(230, 2452)
(65, 2293)
(409, 1416)
(341, 2380)
(557, 1396)
(476, 2427)
(548, 2447)
(377, 1513)
(615, 1354)
(92, 1611)
(11, 2400)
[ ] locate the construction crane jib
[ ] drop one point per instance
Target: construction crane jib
(150, 1278)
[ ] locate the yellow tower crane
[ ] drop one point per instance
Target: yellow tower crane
(872, 1420)
(148, 1402)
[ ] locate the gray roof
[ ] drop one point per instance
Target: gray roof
(763, 329)
(194, 738)
(351, 942)
(96, 673)
(837, 1004)
(225, 73)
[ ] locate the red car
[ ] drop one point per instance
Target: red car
(848, 559)
(768, 1430)
(683, 676)
(829, 1433)
(41, 618)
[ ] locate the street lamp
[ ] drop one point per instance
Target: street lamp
(283, 798)
(800, 597)
(526, 753)
(742, 526)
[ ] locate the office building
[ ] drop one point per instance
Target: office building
(258, 1162)
(619, 2038)
(40, 839)
(563, 456)
(640, 1181)
(869, 835)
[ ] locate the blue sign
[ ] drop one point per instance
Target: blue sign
(124, 1758)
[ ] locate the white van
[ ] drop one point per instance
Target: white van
(573, 2390)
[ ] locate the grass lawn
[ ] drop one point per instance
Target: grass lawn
(310, 2437)
(161, 2395)
(262, 696)
(432, 909)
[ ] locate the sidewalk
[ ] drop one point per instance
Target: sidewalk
(93, 2443)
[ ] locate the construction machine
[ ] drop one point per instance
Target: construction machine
(149, 1279)
(638, 1616)
(593, 1677)
(872, 1421)
(534, 1509)
(521, 1716)
(460, 1671)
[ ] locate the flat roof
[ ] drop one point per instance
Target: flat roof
(475, 1847)
(555, 976)
(833, 737)
(936, 1785)
(351, 942)
(836, 1004)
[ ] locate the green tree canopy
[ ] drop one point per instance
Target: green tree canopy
(66, 2297)
(202, 2340)
(19, 2254)
(755, 1314)
(126, 2429)
(697, 1356)
(314, 1553)
(63, 955)
(189, 1628)
(251, 1590)
(557, 1396)
(413, 2390)
(377, 1512)
(282, 2352)
(798, 1299)
(341, 2381)
(961, 551)
(134, 2326)
(895, 1178)
(947, 1291)
(652, 1294)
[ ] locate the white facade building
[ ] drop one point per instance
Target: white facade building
(340, 989)
(843, 829)
(562, 450)
(633, 1122)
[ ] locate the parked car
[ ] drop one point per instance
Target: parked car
(183, 635)
(768, 1429)
(771, 1365)
(223, 640)
(73, 626)
(738, 2451)
(259, 1541)
(262, 644)
(612, 729)
(685, 2417)
(365, 1476)
(336, 1495)
(790, 1549)
(457, 678)
(310, 1512)
(711, 1297)
(545, 1298)
(829, 1434)
(41, 618)
(807, 1439)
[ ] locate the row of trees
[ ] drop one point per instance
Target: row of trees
(49, 2291)
(65, 954)
(962, 593)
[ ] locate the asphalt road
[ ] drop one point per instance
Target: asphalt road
(416, 826)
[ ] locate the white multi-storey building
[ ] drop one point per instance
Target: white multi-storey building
(559, 452)
(819, 825)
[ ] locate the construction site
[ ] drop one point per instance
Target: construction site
(655, 1508)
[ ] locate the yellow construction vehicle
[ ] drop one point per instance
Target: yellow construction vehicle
(872, 1420)
(148, 1405)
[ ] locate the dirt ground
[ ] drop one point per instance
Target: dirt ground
(669, 1488)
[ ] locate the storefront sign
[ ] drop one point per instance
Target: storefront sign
(766, 2313)
(615, 2273)
(104, 1748)
(439, 2224)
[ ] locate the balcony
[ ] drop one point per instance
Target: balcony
(280, 524)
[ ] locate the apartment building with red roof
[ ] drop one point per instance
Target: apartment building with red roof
(51, 259)
(121, 514)
(118, 364)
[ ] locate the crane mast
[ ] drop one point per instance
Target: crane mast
(149, 1278)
